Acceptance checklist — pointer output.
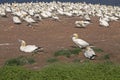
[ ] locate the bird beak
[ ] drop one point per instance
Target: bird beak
(19, 40)
(70, 36)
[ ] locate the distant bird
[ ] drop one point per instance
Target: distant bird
(89, 53)
(87, 17)
(29, 20)
(16, 20)
(79, 42)
(37, 17)
(103, 22)
(81, 24)
(55, 18)
(29, 48)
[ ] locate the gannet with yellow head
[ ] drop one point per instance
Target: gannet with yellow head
(29, 48)
(79, 42)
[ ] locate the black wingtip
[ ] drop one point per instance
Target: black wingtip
(92, 57)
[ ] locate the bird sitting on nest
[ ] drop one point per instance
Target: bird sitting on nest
(29, 20)
(29, 48)
(16, 20)
(89, 53)
(79, 42)
(81, 24)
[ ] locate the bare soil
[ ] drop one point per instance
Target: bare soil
(55, 35)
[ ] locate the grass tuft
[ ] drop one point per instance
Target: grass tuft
(67, 52)
(98, 50)
(19, 61)
(52, 60)
(106, 56)
(63, 52)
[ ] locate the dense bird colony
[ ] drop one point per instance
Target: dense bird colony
(34, 12)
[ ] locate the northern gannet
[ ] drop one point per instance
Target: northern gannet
(89, 53)
(29, 20)
(87, 17)
(81, 24)
(55, 17)
(16, 20)
(103, 22)
(79, 42)
(29, 48)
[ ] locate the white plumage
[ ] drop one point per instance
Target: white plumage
(81, 24)
(29, 19)
(28, 48)
(55, 17)
(16, 20)
(79, 42)
(87, 17)
(89, 53)
(104, 22)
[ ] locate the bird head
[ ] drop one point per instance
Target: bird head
(23, 43)
(89, 47)
(75, 35)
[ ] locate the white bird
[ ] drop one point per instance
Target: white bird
(37, 17)
(16, 20)
(29, 48)
(79, 42)
(81, 24)
(87, 17)
(89, 53)
(104, 22)
(29, 20)
(55, 17)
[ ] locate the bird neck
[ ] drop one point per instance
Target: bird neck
(76, 37)
(23, 43)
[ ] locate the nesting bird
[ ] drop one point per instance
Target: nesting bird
(29, 20)
(81, 24)
(89, 53)
(29, 48)
(37, 17)
(79, 42)
(103, 22)
(16, 20)
(87, 17)
(55, 18)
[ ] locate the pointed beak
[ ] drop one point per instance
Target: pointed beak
(19, 40)
(70, 36)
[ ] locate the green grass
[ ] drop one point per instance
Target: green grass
(67, 52)
(98, 50)
(64, 52)
(76, 60)
(52, 60)
(106, 56)
(19, 61)
(58, 71)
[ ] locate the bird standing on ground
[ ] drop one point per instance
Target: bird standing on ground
(29, 48)
(79, 42)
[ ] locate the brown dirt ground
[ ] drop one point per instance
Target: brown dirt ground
(56, 35)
